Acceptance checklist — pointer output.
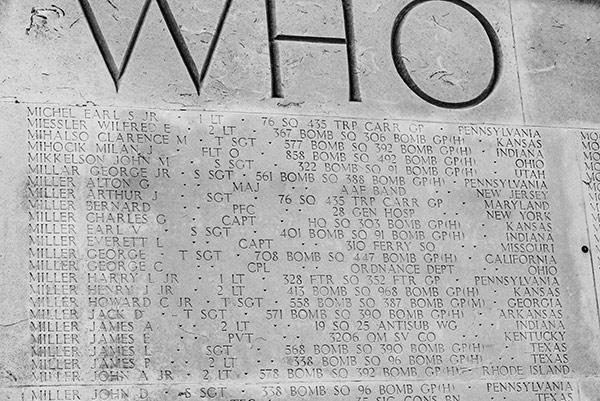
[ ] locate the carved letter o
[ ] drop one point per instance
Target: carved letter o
(403, 71)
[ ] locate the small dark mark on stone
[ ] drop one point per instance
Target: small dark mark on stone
(290, 104)
(112, 4)
(14, 323)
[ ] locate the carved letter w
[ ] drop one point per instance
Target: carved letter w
(118, 72)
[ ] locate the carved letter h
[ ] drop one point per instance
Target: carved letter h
(348, 40)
